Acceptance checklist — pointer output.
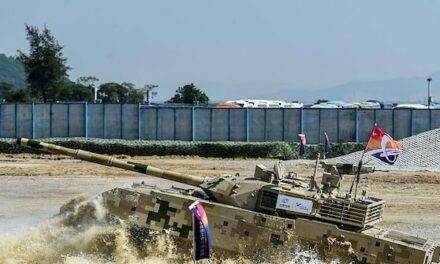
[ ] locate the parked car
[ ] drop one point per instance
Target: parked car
(342, 104)
(367, 105)
(325, 105)
(411, 106)
(227, 105)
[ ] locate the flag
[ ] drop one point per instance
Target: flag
(327, 143)
(383, 146)
(302, 147)
(202, 236)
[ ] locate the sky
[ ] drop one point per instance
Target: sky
(234, 49)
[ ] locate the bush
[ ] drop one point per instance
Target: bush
(276, 150)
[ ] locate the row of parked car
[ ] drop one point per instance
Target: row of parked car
(370, 104)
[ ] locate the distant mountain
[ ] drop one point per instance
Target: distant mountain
(413, 89)
(12, 71)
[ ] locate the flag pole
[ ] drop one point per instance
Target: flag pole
(358, 171)
(323, 152)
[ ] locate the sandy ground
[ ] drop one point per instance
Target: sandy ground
(33, 187)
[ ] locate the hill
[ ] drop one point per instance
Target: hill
(412, 89)
(12, 71)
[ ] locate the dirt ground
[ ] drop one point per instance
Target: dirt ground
(32, 187)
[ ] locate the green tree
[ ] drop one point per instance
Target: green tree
(188, 94)
(9, 93)
(133, 95)
(119, 93)
(70, 91)
(45, 66)
(12, 71)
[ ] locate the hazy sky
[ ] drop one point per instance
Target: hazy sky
(234, 48)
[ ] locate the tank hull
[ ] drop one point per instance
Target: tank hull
(239, 231)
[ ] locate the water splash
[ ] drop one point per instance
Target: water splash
(84, 233)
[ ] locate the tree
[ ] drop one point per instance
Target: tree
(12, 71)
(188, 94)
(70, 91)
(119, 93)
(9, 93)
(45, 65)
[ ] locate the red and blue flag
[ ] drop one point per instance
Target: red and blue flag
(383, 146)
(327, 144)
(202, 235)
(302, 146)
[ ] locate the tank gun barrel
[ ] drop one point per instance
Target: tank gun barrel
(111, 161)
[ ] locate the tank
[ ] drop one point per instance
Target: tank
(271, 210)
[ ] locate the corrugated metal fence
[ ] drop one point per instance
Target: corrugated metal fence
(132, 121)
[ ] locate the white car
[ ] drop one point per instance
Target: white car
(325, 105)
(367, 105)
(410, 106)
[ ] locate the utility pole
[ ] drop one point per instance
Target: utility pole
(429, 92)
(147, 92)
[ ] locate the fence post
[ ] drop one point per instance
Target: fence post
(33, 120)
(175, 122)
(15, 120)
(301, 121)
(193, 126)
(392, 117)
(103, 120)
(139, 122)
(319, 127)
(50, 119)
(157, 123)
(284, 126)
(357, 125)
(337, 125)
(68, 120)
(247, 125)
(86, 119)
(1, 123)
(375, 116)
(265, 124)
(229, 124)
(430, 119)
(210, 124)
(121, 120)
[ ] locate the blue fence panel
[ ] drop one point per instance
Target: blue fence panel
(366, 119)
(132, 121)
(96, 120)
(237, 124)
(402, 123)
(257, 125)
(420, 121)
(220, 124)
(311, 125)
(274, 125)
(292, 124)
(183, 128)
(164, 119)
(43, 126)
(23, 120)
(384, 119)
(328, 124)
(76, 120)
(129, 121)
(59, 121)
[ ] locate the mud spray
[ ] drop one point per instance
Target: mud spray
(84, 233)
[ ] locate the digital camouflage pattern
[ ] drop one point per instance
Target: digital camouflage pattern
(269, 212)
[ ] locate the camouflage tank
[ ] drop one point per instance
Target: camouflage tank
(272, 209)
